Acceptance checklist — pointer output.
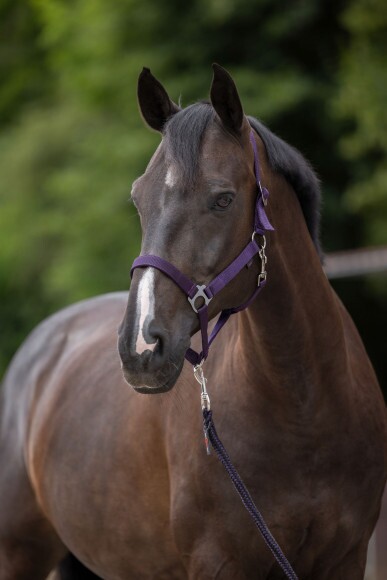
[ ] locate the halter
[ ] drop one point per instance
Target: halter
(205, 293)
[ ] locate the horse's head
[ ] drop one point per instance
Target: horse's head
(196, 202)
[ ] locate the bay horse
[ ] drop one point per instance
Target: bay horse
(93, 468)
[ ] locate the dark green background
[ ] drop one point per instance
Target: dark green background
(72, 141)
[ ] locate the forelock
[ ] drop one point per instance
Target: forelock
(183, 137)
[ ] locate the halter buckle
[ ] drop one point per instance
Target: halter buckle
(261, 189)
(200, 293)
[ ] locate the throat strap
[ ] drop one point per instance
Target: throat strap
(197, 293)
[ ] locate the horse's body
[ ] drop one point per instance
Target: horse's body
(122, 480)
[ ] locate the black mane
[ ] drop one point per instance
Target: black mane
(289, 162)
(283, 158)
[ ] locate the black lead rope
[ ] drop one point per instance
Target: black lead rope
(210, 432)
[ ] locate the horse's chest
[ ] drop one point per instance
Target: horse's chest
(299, 490)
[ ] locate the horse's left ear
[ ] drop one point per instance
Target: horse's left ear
(225, 99)
(155, 105)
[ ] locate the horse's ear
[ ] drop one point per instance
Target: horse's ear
(225, 99)
(155, 105)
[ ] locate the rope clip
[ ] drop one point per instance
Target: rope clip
(206, 406)
(201, 379)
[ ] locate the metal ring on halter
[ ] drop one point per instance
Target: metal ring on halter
(263, 245)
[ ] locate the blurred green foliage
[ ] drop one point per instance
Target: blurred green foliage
(362, 98)
(72, 141)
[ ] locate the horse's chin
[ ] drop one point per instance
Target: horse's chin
(144, 390)
(162, 386)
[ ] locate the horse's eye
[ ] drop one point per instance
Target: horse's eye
(223, 202)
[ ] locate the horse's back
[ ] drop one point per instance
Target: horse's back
(50, 346)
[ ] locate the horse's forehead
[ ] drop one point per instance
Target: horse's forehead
(171, 175)
(218, 147)
(223, 155)
(219, 156)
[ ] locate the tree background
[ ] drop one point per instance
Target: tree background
(72, 141)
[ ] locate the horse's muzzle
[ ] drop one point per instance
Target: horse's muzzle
(153, 370)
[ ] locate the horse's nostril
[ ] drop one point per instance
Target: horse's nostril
(149, 350)
(159, 337)
(150, 345)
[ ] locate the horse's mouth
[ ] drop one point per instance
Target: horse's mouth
(162, 385)
(152, 390)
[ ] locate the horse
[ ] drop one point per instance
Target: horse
(103, 463)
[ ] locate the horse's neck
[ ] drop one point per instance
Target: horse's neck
(291, 338)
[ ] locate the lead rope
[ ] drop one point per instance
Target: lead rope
(211, 436)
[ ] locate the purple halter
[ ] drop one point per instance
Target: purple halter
(207, 293)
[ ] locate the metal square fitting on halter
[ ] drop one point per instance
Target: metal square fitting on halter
(201, 293)
(196, 291)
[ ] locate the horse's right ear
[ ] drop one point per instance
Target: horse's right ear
(155, 105)
(225, 99)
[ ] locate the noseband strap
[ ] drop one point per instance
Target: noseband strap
(203, 293)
